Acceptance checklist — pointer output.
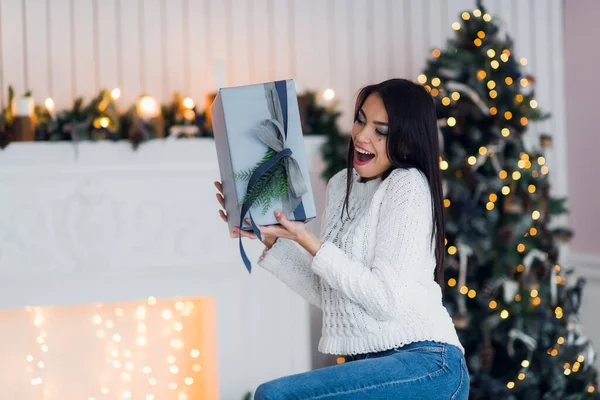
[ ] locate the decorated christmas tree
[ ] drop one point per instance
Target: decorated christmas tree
(513, 303)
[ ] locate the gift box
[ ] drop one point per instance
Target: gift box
(260, 150)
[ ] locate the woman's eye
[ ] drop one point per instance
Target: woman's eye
(380, 132)
(359, 121)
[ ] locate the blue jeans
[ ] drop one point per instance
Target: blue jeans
(420, 370)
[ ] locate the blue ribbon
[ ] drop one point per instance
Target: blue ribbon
(299, 212)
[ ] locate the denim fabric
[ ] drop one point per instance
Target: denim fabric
(421, 370)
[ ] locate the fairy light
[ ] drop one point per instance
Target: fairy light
(537, 301)
(533, 104)
(493, 94)
(493, 304)
(491, 53)
(511, 384)
(533, 293)
(422, 79)
(472, 293)
(545, 170)
(520, 268)
(436, 53)
(524, 82)
(493, 111)
(504, 57)
(434, 92)
(531, 188)
(487, 17)
(535, 215)
(541, 160)
(464, 290)
(446, 101)
(558, 313)
(493, 197)
(456, 26)
(115, 93)
(590, 389)
(328, 94)
(495, 64)
(516, 175)
(490, 206)
(508, 80)
(167, 314)
(521, 248)
(481, 74)
(508, 115)
(451, 282)
(524, 121)
(567, 371)
(451, 121)
(491, 84)
(580, 359)
(525, 363)
(521, 376)
(466, 16)
(452, 250)
(502, 174)
(523, 61)
(478, 42)
(447, 203)
(505, 132)
(472, 160)
(533, 231)
(504, 314)
(444, 165)
(517, 297)
(455, 96)
(151, 300)
(521, 164)
(436, 81)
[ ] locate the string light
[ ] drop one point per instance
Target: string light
(493, 197)
(490, 206)
(541, 160)
(535, 215)
(455, 96)
(521, 248)
(491, 84)
(511, 384)
(472, 160)
(452, 250)
(451, 121)
(493, 111)
(487, 17)
(444, 165)
(434, 92)
(504, 57)
(533, 231)
(580, 359)
(422, 79)
(521, 376)
(481, 74)
(537, 301)
(544, 170)
(491, 53)
(516, 175)
(533, 104)
(466, 16)
(525, 363)
(477, 42)
(436, 81)
(508, 115)
(456, 26)
(481, 34)
(524, 82)
(328, 94)
(472, 293)
(558, 313)
(503, 174)
(464, 290)
(523, 61)
(493, 94)
(477, 13)
(508, 80)
(504, 314)
(115, 93)
(451, 282)
(493, 304)
(505, 132)
(590, 389)
(495, 64)
(436, 53)
(520, 268)
(446, 101)
(524, 121)
(517, 297)
(447, 203)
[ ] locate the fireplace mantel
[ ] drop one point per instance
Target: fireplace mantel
(100, 222)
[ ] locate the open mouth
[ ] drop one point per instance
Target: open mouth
(362, 157)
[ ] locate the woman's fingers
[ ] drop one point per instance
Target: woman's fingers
(247, 234)
(221, 200)
(219, 186)
(222, 215)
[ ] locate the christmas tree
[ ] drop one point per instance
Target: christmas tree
(516, 310)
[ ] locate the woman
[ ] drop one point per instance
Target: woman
(377, 270)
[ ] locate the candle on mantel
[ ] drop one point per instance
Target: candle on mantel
(23, 107)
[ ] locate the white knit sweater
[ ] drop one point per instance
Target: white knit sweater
(373, 276)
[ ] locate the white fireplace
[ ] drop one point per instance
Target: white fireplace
(89, 229)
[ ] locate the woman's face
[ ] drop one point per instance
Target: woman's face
(369, 135)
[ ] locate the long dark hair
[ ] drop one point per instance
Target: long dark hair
(412, 143)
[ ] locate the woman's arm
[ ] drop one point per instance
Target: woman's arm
(401, 237)
(291, 263)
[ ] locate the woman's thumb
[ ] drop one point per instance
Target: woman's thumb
(281, 218)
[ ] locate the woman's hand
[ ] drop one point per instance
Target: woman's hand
(292, 230)
(268, 240)
(223, 216)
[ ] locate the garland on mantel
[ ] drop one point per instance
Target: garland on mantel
(103, 119)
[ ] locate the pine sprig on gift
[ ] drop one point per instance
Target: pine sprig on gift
(271, 186)
(245, 175)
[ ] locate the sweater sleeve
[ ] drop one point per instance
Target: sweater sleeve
(290, 263)
(400, 234)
